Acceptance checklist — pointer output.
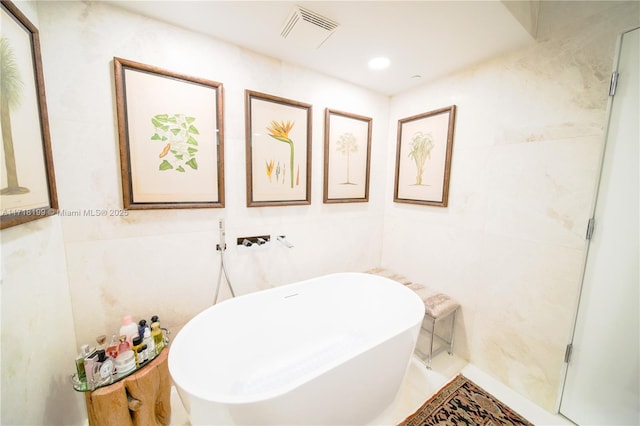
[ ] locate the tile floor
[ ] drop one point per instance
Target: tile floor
(420, 383)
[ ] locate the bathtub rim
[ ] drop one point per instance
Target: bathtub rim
(240, 399)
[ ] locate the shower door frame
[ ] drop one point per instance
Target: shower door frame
(602, 350)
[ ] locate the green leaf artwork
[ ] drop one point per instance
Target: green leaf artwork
(179, 150)
(421, 146)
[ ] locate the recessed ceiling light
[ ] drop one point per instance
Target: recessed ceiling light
(379, 63)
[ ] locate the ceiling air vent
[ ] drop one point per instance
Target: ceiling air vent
(307, 28)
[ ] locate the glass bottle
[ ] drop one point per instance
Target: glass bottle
(112, 349)
(82, 375)
(101, 340)
(107, 369)
(137, 343)
(128, 328)
(142, 326)
(89, 364)
(102, 369)
(124, 345)
(158, 341)
(142, 354)
(150, 343)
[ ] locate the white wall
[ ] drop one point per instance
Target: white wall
(164, 262)
(527, 146)
(38, 338)
(155, 262)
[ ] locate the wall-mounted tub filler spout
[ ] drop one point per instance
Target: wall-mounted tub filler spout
(284, 242)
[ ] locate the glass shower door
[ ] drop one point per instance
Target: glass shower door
(603, 379)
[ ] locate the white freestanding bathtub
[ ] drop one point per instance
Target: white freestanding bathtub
(331, 350)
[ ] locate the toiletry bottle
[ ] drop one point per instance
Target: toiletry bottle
(112, 349)
(102, 369)
(80, 359)
(151, 346)
(126, 359)
(89, 364)
(86, 350)
(107, 368)
(156, 333)
(82, 374)
(102, 342)
(142, 352)
(123, 345)
(128, 328)
(95, 369)
(137, 343)
(145, 352)
(142, 325)
(162, 341)
(87, 353)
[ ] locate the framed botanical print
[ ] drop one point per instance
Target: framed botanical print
(278, 150)
(347, 156)
(170, 128)
(423, 157)
(27, 178)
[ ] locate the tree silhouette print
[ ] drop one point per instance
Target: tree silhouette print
(10, 92)
(346, 144)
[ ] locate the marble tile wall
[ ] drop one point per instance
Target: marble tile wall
(528, 139)
(527, 146)
(72, 277)
(38, 340)
(138, 263)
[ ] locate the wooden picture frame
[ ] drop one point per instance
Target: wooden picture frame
(347, 157)
(278, 150)
(27, 183)
(423, 157)
(171, 134)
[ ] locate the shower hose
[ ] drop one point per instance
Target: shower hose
(222, 269)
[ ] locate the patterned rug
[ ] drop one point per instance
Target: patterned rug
(462, 402)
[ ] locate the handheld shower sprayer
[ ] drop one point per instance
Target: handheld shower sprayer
(221, 247)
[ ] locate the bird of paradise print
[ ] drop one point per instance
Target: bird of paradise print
(280, 131)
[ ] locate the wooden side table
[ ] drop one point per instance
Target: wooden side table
(140, 399)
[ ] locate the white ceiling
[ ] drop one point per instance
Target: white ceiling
(424, 38)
